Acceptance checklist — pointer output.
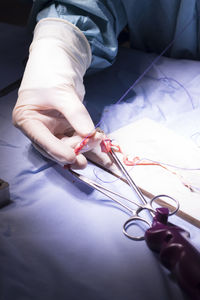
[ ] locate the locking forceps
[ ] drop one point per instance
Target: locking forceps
(143, 205)
(176, 253)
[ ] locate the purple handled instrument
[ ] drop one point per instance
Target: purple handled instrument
(176, 253)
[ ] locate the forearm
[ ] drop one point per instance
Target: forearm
(100, 22)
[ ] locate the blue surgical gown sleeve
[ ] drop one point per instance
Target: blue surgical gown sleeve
(101, 21)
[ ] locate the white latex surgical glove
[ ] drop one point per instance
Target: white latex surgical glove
(49, 107)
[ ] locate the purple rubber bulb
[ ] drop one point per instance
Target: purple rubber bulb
(176, 253)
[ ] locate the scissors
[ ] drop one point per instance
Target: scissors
(135, 218)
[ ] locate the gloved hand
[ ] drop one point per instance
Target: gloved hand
(49, 108)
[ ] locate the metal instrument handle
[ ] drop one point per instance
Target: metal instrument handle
(133, 222)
